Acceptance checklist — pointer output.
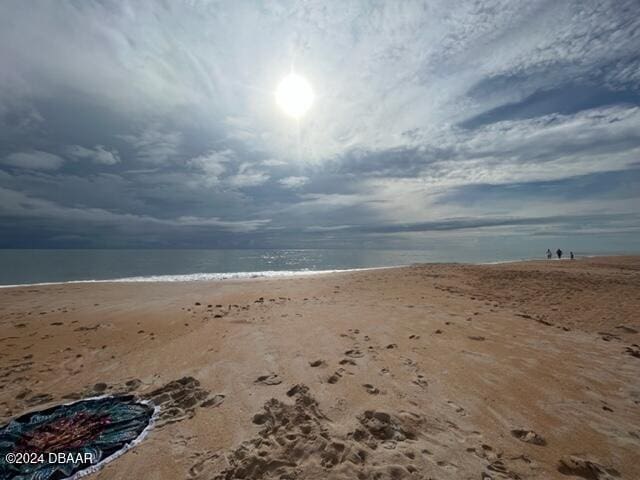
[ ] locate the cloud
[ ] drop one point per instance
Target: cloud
(293, 182)
(99, 154)
(548, 147)
(154, 146)
(222, 167)
(17, 204)
(248, 179)
(33, 160)
(487, 222)
(233, 226)
(424, 113)
(248, 175)
(273, 162)
(213, 163)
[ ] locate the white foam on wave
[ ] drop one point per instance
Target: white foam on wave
(202, 277)
(500, 262)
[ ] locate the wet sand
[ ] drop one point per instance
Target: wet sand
(521, 370)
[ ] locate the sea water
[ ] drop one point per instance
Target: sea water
(19, 267)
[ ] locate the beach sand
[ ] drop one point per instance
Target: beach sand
(517, 370)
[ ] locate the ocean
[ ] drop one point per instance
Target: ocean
(20, 267)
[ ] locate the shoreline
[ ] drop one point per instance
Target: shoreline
(268, 274)
(206, 277)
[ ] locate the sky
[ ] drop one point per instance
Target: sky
(438, 124)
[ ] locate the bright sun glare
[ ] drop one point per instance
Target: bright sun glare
(294, 95)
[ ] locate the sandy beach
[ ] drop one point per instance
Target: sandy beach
(439, 371)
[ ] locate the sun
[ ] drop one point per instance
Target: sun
(294, 95)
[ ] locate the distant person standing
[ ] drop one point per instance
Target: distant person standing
(571, 254)
(559, 253)
(549, 255)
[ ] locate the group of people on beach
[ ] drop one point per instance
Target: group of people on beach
(558, 253)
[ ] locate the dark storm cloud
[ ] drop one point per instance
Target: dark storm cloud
(153, 123)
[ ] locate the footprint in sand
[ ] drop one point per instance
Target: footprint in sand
(421, 381)
(100, 387)
(178, 400)
(457, 408)
(498, 466)
(477, 338)
(214, 401)
(371, 389)
(270, 379)
(206, 462)
(354, 353)
(580, 467)
(317, 363)
(347, 361)
(38, 399)
(529, 436)
(132, 385)
(633, 350)
(607, 337)
(626, 329)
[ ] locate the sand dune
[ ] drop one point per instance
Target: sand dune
(523, 370)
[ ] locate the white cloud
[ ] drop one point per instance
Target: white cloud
(218, 165)
(155, 146)
(99, 154)
(551, 147)
(229, 225)
(213, 163)
(33, 160)
(248, 179)
(248, 175)
(293, 182)
(273, 162)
